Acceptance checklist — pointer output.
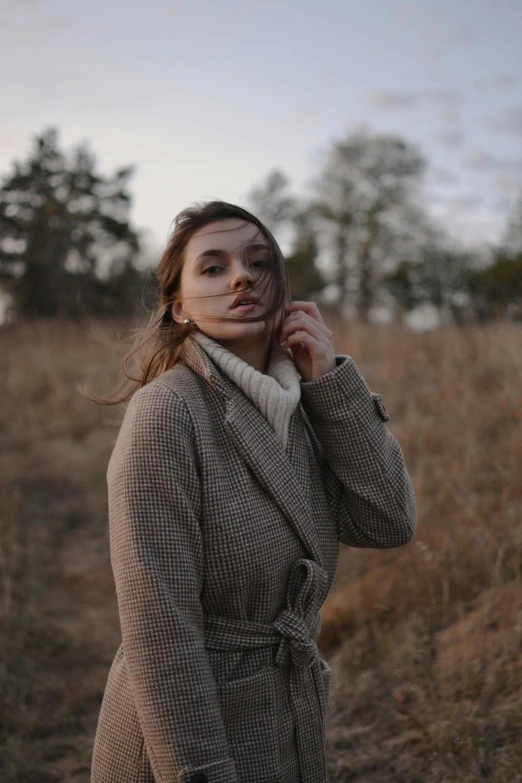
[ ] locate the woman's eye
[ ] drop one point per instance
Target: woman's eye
(257, 262)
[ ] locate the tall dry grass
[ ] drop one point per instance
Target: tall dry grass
(53, 457)
(424, 641)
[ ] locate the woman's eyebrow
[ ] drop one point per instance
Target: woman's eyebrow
(217, 252)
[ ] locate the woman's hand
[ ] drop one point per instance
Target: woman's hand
(305, 333)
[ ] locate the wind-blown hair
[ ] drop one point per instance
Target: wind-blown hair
(157, 346)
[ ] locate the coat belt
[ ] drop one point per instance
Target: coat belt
(294, 632)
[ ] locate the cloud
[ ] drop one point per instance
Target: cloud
(458, 204)
(510, 120)
(508, 182)
(503, 205)
(466, 202)
(15, 6)
(484, 161)
(440, 176)
(31, 19)
(450, 138)
(450, 116)
(499, 81)
(441, 26)
(385, 99)
(393, 100)
(304, 115)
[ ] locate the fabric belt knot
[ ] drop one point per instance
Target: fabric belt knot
(300, 622)
(294, 631)
(298, 643)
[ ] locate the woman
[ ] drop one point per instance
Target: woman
(240, 465)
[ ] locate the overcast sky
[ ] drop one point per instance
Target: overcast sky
(207, 97)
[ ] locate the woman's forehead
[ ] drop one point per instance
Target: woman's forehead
(228, 235)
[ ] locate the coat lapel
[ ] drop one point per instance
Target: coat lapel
(261, 449)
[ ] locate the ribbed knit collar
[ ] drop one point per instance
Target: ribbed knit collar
(275, 394)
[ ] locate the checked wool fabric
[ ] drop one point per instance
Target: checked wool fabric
(224, 546)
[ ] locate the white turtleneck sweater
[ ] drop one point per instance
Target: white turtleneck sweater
(275, 394)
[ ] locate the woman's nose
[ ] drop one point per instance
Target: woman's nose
(240, 275)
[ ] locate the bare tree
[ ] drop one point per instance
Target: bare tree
(284, 215)
(366, 201)
(272, 202)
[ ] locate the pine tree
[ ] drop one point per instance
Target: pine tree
(65, 233)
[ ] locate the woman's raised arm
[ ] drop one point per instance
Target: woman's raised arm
(367, 484)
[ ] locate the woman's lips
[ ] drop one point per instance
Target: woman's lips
(245, 308)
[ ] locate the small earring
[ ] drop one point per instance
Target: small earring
(188, 321)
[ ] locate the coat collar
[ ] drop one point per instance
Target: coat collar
(264, 455)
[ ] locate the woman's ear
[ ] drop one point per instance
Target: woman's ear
(177, 312)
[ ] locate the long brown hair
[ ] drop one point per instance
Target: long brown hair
(157, 346)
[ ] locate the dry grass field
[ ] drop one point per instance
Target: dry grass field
(424, 641)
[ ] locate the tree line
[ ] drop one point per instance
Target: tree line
(361, 238)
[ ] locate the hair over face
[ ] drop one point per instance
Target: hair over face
(158, 345)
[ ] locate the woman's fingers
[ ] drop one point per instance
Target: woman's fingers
(302, 338)
(304, 331)
(300, 320)
(310, 308)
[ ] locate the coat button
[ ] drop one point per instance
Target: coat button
(381, 410)
(198, 777)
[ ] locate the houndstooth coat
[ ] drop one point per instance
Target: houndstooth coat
(224, 546)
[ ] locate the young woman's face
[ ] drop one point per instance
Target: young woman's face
(223, 259)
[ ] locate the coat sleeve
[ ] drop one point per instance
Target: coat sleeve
(157, 560)
(366, 481)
